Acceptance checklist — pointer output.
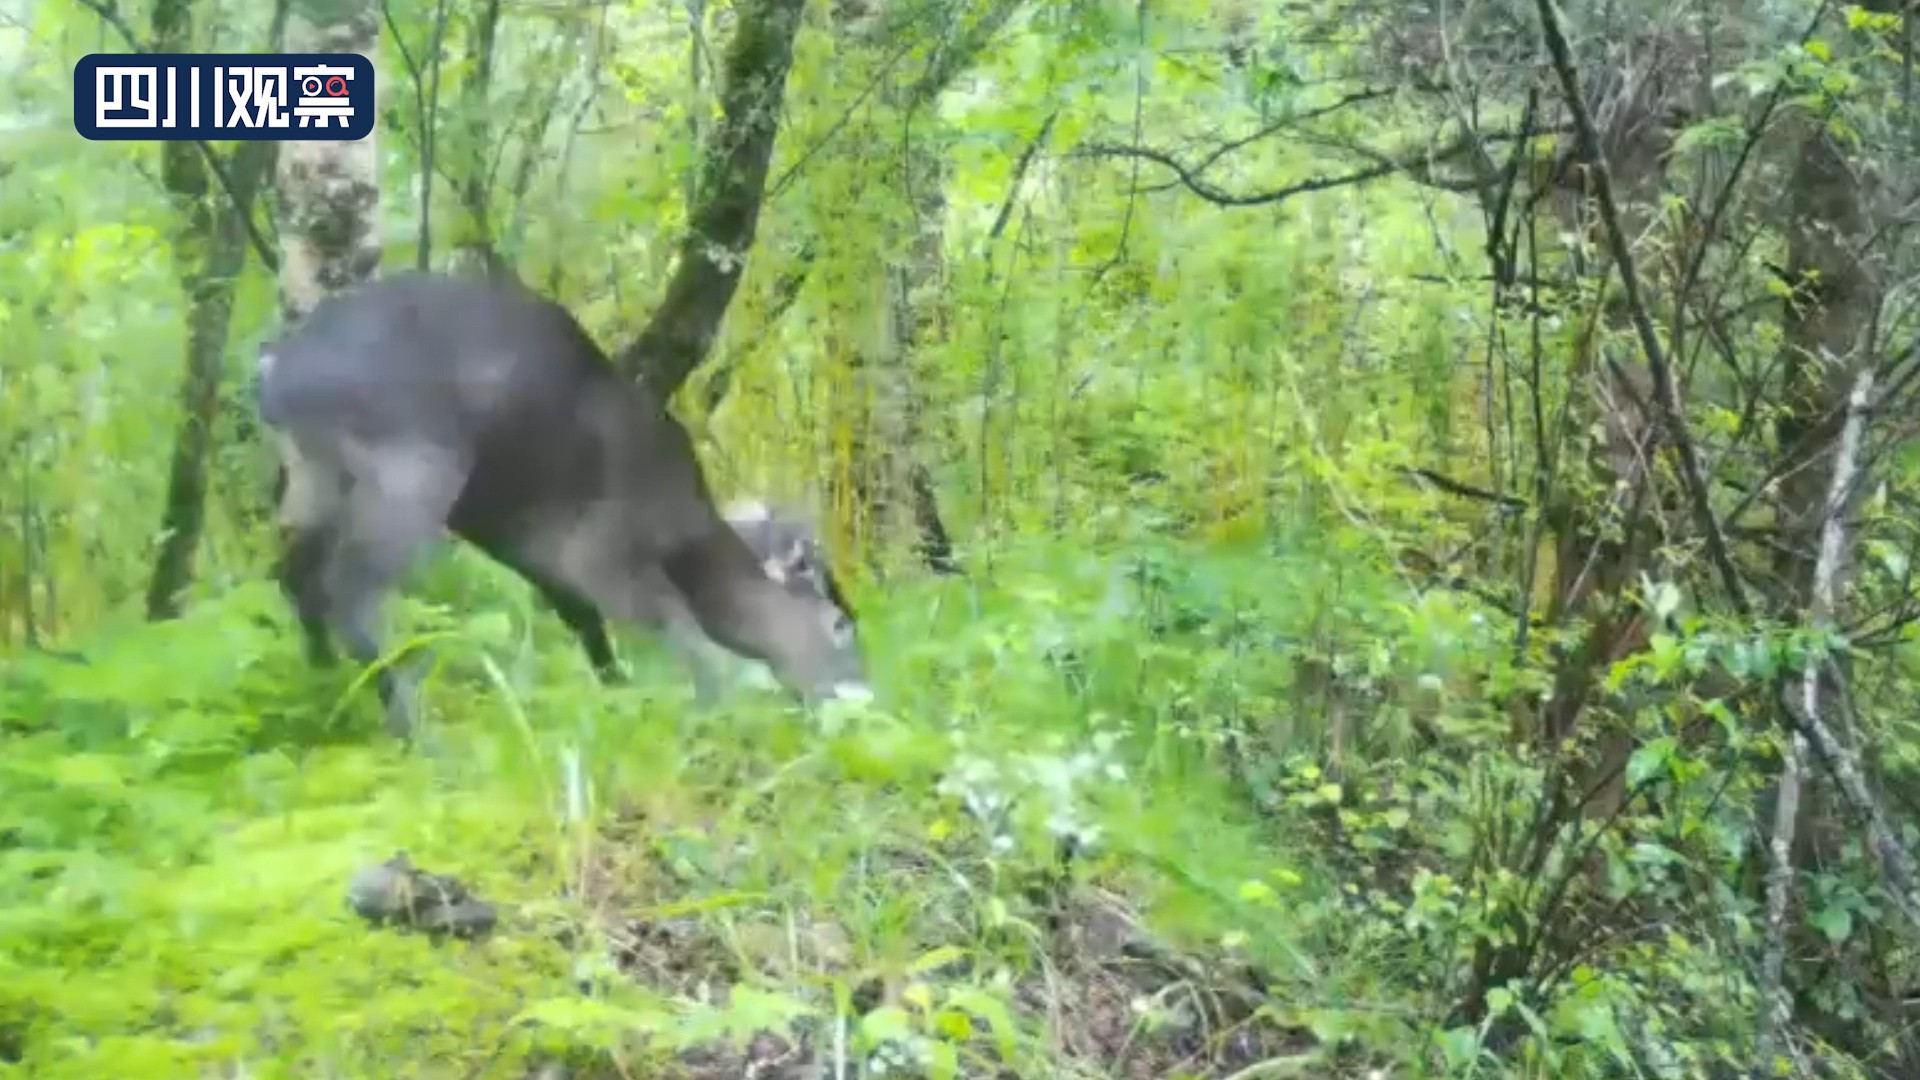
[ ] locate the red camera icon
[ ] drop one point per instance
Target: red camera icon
(335, 86)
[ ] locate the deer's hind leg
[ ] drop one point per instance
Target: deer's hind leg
(576, 612)
(311, 494)
(393, 510)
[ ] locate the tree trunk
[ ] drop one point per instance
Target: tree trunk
(889, 431)
(210, 244)
(1601, 542)
(1828, 321)
(733, 181)
(473, 249)
(329, 191)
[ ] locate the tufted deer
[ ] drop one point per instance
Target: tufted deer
(418, 405)
(790, 553)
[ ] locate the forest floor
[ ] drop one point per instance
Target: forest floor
(989, 874)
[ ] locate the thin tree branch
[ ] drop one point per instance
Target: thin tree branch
(1287, 122)
(784, 293)
(954, 55)
(1020, 168)
(1417, 165)
(792, 172)
(1697, 259)
(1462, 488)
(1666, 396)
(426, 102)
(1221, 197)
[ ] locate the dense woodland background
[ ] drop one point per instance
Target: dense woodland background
(1385, 534)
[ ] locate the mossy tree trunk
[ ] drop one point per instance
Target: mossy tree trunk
(732, 183)
(210, 243)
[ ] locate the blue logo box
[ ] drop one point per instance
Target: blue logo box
(159, 97)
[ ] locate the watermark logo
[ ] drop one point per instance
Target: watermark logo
(223, 96)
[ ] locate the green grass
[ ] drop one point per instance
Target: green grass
(183, 813)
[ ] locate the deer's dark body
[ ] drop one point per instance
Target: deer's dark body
(418, 404)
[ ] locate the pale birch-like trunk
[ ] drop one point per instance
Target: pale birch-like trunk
(329, 191)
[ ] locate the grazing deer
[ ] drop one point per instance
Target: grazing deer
(790, 553)
(417, 405)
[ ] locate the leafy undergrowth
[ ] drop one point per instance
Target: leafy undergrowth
(1021, 862)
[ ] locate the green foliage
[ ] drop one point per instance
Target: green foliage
(1220, 638)
(184, 826)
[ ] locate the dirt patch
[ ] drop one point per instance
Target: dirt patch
(1123, 1004)
(1103, 994)
(766, 1056)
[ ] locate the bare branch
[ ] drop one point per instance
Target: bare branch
(1417, 165)
(1755, 131)
(953, 55)
(1220, 197)
(1020, 168)
(1464, 489)
(792, 172)
(1896, 864)
(1666, 397)
(1777, 1005)
(1292, 121)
